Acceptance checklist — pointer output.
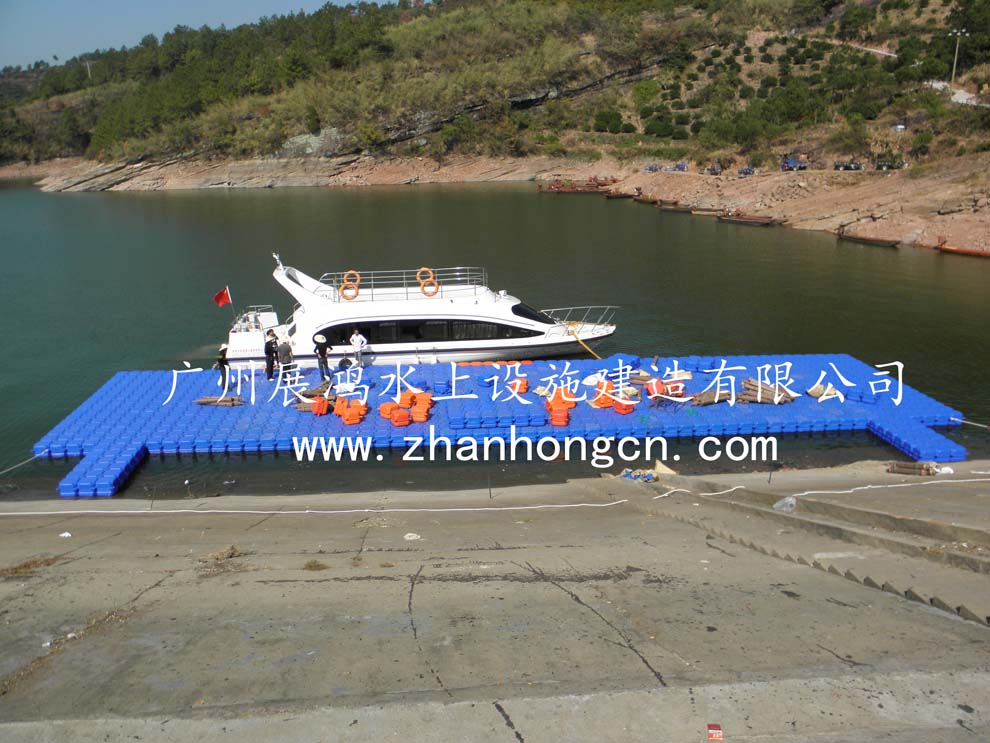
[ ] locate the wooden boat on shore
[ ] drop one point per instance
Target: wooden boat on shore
(644, 199)
(972, 252)
(668, 202)
(879, 242)
(754, 220)
(674, 208)
(706, 211)
(617, 195)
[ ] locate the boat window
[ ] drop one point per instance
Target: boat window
(435, 330)
(428, 330)
(524, 310)
(292, 330)
(384, 332)
(473, 330)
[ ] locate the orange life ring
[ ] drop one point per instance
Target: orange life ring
(349, 286)
(429, 283)
(356, 277)
(430, 276)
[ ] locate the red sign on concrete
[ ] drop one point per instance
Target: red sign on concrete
(714, 732)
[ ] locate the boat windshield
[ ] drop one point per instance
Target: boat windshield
(524, 310)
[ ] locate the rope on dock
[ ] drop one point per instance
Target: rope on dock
(585, 345)
(21, 464)
(970, 423)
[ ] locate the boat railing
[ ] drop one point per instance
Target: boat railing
(578, 318)
(407, 284)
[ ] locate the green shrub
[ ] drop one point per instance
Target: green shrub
(645, 91)
(680, 132)
(608, 120)
(659, 128)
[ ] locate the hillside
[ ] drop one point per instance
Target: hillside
(631, 80)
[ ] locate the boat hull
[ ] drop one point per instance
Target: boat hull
(428, 355)
(972, 252)
(875, 241)
(752, 221)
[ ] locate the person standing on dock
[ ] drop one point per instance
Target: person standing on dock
(223, 365)
(321, 349)
(271, 348)
(285, 357)
(358, 344)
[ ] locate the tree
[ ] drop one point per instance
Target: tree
(312, 119)
(72, 139)
(855, 20)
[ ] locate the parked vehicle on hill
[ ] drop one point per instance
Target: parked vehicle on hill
(793, 161)
(848, 165)
(891, 164)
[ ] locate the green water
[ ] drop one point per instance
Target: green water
(95, 283)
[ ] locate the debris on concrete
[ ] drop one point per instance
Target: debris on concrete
(786, 505)
(28, 567)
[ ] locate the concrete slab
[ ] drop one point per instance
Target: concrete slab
(599, 619)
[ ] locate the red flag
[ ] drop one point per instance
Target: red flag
(222, 297)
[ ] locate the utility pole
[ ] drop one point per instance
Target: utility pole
(958, 33)
(89, 72)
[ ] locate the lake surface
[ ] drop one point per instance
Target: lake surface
(96, 283)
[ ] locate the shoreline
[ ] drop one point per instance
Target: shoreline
(945, 201)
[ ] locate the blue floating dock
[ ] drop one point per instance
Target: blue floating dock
(125, 420)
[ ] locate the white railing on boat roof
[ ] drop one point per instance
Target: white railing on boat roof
(407, 283)
(600, 314)
(410, 278)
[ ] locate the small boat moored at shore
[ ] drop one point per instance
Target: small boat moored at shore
(972, 252)
(756, 221)
(880, 242)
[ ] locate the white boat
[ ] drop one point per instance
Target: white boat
(416, 316)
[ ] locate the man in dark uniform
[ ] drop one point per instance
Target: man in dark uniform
(223, 365)
(271, 348)
(321, 349)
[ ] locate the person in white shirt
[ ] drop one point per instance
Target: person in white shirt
(358, 344)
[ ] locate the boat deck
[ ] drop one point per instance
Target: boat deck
(125, 420)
